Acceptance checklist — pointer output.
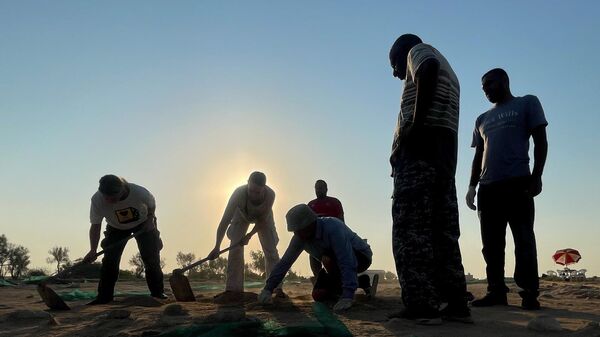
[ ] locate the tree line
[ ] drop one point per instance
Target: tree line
(15, 260)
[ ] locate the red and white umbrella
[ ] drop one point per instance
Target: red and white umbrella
(566, 256)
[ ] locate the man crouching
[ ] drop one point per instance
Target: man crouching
(343, 254)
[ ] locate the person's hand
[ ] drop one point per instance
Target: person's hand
(535, 186)
(89, 257)
(265, 297)
(471, 198)
(214, 253)
(343, 304)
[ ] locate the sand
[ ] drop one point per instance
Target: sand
(575, 306)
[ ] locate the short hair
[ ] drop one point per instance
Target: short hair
(321, 181)
(405, 41)
(110, 184)
(497, 71)
(258, 178)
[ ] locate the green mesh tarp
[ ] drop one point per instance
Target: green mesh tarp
(327, 326)
(6, 283)
(79, 295)
(209, 287)
(34, 279)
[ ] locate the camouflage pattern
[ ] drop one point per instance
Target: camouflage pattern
(425, 237)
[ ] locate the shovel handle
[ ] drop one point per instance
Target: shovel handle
(197, 263)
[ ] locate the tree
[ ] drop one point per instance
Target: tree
(185, 259)
(258, 262)
(218, 266)
(138, 264)
(18, 259)
(3, 253)
(58, 255)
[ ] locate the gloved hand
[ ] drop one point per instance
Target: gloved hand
(343, 304)
(265, 297)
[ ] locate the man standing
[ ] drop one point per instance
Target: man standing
(128, 208)
(251, 203)
(506, 186)
(425, 210)
(343, 254)
(324, 205)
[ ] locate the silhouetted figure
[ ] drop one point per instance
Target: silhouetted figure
(506, 185)
(425, 210)
(128, 208)
(343, 254)
(324, 206)
(250, 203)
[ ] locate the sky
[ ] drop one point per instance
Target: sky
(187, 98)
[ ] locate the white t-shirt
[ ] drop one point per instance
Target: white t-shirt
(124, 214)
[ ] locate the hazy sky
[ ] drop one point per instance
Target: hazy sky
(187, 98)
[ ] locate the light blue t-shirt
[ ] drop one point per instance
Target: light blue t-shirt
(504, 132)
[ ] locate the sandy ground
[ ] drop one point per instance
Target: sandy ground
(576, 306)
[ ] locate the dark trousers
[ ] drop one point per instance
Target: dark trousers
(498, 204)
(328, 284)
(425, 237)
(149, 245)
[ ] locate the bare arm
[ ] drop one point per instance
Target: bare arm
(426, 81)
(540, 152)
(475, 174)
(94, 236)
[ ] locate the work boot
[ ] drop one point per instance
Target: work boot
(229, 297)
(278, 292)
(490, 299)
(421, 317)
(99, 300)
(529, 300)
(457, 313)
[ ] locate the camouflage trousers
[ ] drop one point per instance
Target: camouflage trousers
(425, 237)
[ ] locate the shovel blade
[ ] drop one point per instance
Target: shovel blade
(51, 298)
(181, 288)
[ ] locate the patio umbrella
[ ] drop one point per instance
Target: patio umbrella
(566, 256)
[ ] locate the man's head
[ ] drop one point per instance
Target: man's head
(495, 85)
(256, 186)
(112, 188)
(399, 53)
(302, 221)
(321, 188)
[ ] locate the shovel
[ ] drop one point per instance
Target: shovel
(180, 284)
(51, 298)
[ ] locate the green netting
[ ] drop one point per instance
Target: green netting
(6, 283)
(327, 326)
(34, 279)
(79, 295)
(209, 287)
(251, 329)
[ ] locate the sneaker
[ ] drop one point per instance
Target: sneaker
(490, 299)
(530, 303)
(161, 296)
(228, 297)
(429, 317)
(456, 313)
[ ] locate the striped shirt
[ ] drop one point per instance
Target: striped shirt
(445, 105)
(439, 145)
